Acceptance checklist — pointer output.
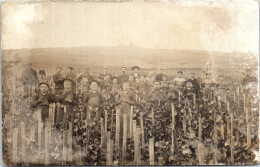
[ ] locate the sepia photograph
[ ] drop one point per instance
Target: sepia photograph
(130, 82)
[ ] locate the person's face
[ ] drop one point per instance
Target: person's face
(171, 86)
(208, 76)
(94, 86)
(123, 70)
(192, 75)
(59, 70)
(114, 81)
(67, 85)
(142, 79)
(156, 85)
(189, 85)
(136, 70)
(125, 86)
(164, 78)
(44, 88)
(179, 74)
(107, 77)
(131, 78)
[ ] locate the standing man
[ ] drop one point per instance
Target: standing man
(123, 77)
(84, 80)
(194, 82)
(58, 80)
(179, 80)
(136, 71)
(71, 75)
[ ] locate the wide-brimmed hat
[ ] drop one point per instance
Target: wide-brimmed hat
(44, 82)
(135, 67)
(68, 79)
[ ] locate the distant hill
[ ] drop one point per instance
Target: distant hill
(96, 57)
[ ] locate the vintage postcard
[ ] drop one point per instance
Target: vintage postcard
(130, 82)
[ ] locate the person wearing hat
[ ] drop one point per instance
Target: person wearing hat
(208, 85)
(93, 102)
(124, 101)
(194, 82)
(189, 90)
(123, 77)
(43, 99)
(42, 76)
(106, 83)
(143, 88)
(40, 104)
(115, 87)
(179, 80)
(85, 79)
(172, 93)
(29, 78)
(135, 71)
(58, 80)
(67, 99)
(156, 96)
(71, 75)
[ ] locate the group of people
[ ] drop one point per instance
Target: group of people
(125, 90)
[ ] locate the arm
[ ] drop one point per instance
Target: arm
(79, 78)
(35, 101)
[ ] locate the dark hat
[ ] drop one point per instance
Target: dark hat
(135, 67)
(69, 79)
(44, 83)
(71, 68)
(192, 73)
(114, 77)
(179, 72)
(95, 82)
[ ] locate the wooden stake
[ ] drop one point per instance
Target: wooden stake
(15, 146)
(153, 121)
(110, 147)
(248, 127)
(201, 153)
(238, 97)
(70, 134)
(151, 151)
(173, 128)
(39, 130)
(228, 125)
(117, 130)
(64, 151)
(222, 131)
(23, 142)
(102, 132)
(135, 139)
(124, 140)
(138, 160)
(200, 128)
(184, 121)
(46, 144)
(232, 150)
(244, 98)
(179, 95)
(142, 129)
(53, 114)
(105, 125)
(78, 157)
(131, 122)
(232, 123)
(194, 99)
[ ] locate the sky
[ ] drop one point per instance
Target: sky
(216, 26)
